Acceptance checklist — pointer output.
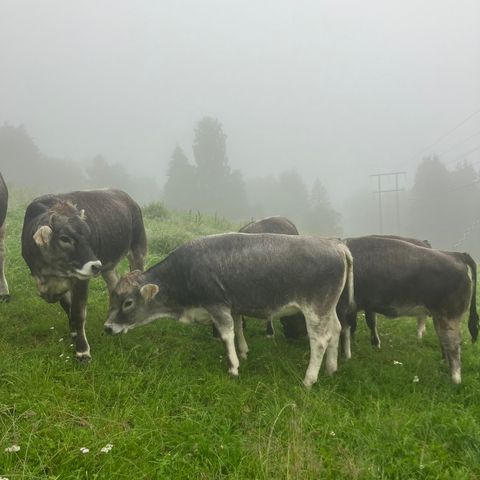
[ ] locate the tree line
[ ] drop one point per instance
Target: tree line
(442, 205)
(208, 183)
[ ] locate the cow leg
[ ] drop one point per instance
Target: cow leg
(351, 321)
(111, 279)
(421, 320)
(136, 259)
(241, 342)
(332, 347)
(269, 331)
(371, 319)
(222, 319)
(448, 330)
(78, 313)
(318, 328)
(437, 331)
(345, 336)
(66, 304)
(4, 293)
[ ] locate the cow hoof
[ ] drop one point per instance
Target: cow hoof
(83, 357)
(308, 383)
(456, 378)
(233, 372)
(270, 335)
(243, 355)
(4, 298)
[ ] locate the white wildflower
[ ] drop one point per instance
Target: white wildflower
(13, 449)
(60, 339)
(395, 362)
(106, 448)
(416, 379)
(52, 328)
(332, 433)
(3, 478)
(84, 450)
(61, 355)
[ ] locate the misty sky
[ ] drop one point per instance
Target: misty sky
(336, 89)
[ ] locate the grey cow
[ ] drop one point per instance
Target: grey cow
(4, 293)
(69, 238)
(370, 316)
(396, 278)
(225, 276)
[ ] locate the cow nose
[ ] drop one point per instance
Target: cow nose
(96, 268)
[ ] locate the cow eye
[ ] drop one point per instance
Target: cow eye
(66, 240)
(127, 304)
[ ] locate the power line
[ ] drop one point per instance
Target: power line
(463, 155)
(452, 147)
(445, 135)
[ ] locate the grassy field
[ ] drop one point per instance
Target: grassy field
(162, 397)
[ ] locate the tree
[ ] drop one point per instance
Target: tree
(321, 217)
(180, 190)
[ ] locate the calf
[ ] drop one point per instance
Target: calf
(4, 293)
(370, 317)
(226, 276)
(71, 237)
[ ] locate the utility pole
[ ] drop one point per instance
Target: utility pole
(380, 192)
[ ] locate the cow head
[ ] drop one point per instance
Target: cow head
(63, 238)
(135, 302)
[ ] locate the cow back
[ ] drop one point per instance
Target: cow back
(276, 224)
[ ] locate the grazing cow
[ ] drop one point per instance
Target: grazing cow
(226, 276)
(396, 278)
(69, 238)
(4, 293)
(275, 224)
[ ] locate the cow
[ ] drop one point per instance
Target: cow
(396, 278)
(295, 327)
(275, 224)
(225, 276)
(4, 293)
(69, 238)
(370, 317)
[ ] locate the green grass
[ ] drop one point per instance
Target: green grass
(161, 395)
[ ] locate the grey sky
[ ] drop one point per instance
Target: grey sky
(336, 89)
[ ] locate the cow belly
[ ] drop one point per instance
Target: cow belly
(394, 311)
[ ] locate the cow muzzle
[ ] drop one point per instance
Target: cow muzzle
(89, 270)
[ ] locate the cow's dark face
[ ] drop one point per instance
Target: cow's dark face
(133, 303)
(65, 245)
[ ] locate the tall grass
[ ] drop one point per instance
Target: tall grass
(162, 397)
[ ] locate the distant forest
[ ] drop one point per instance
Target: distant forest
(442, 206)
(206, 184)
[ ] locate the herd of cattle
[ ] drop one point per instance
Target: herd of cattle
(314, 285)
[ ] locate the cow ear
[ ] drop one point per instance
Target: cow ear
(149, 291)
(43, 236)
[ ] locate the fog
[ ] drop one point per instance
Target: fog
(336, 91)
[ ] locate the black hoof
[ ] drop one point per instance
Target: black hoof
(4, 298)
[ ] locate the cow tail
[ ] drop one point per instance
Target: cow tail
(473, 317)
(349, 279)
